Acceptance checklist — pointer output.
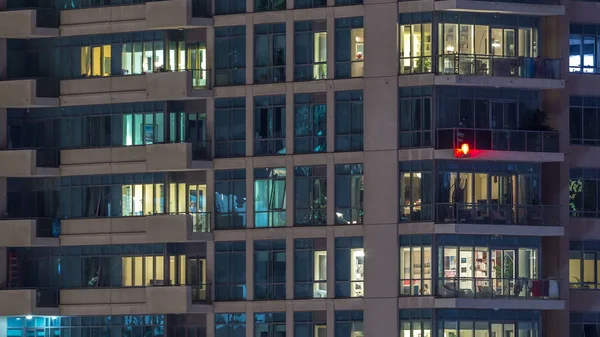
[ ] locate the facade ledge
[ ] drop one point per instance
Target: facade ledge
(500, 82)
(29, 163)
(27, 233)
(520, 230)
(500, 7)
(512, 156)
(499, 304)
(24, 24)
(21, 302)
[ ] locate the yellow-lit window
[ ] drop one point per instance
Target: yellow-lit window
(159, 270)
(589, 263)
(575, 268)
(137, 200)
(106, 59)
(149, 279)
(172, 198)
(96, 61)
(358, 51)
(181, 204)
(127, 271)
(182, 270)
(148, 199)
(159, 195)
(320, 56)
(85, 61)
(138, 274)
(173, 270)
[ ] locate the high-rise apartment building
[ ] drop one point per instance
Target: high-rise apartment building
(299, 168)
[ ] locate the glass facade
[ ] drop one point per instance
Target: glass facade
(583, 46)
(349, 194)
(416, 272)
(310, 268)
(349, 121)
(584, 265)
(269, 125)
(310, 123)
(415, 45)
(269, 324)
(310, 192)
(583, 324)
(230, 271)
(230, 46)
(416, 190)
(417, 322)
(270, 197)
(310, 50)
(415, 117)
(349, 323)
(477, 323)
(269, 52)
(230, 127)
(230, 7)
(230, 199)
(310, 323)
(349, 267)
(349, 46)
(269, 270)
(584, 201)
(230, 325)
(584, 121)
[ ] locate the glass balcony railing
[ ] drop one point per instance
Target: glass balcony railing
(498, 288)
(200, 221)
(47, 297)
(498, 140)
(47, 228)
(497, 214)
(502, 66)
(201, 293)
(201, 150)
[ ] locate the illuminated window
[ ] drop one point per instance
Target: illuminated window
(96, 60)
(349, 49)
(415, 265)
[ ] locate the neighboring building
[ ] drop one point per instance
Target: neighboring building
(309, 168)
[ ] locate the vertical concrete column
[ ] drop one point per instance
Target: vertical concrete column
(331, 317)
(3, 326)
(249, 270)
(330, 42)
(289, 45)
(249, 320)
(210, 325)
(381, 167)
(249, 194)
(249, 43)
(289, 266)
(289, 314)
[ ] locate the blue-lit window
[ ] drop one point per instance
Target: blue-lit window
(230, 53)
(230, 271)
(269, 53)
(310, 268)
(349, 194)
(310, 206)
(349, 47)
(270, 200)
(230, 127)
(349, 267)
(269, 125)
(310, 123)
(310, 323)
(269, 270)
(349, 323)
(230, 325)
(230, 199)
(583, 48)
(269, 324)
(223, 7)
(310, 50)
(349, 121)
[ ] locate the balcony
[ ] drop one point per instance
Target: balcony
(29, 162)
(21, 302)
(499, 293)
(28, 93)
(490, 144)
(159, 86)
(135, 159)
(29, 232)
(499, 71)
(28, 23)
(158, 228)
(153, 15)
(135, 300)
(496, 219)
(517, 7)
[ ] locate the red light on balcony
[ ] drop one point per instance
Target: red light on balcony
(463, 151)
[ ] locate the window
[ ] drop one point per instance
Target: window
(584, 265)
(348, 2)
(230, 127)
(310, 49)
(230, 199)
(415, 43)
(95, 60)
(269, 125)
(415, 117)
(415, 265)
(486, 45)
(583, 193)
(349, 47)
(310, 123)
(416, 190)
(143, 128)
(349, 194)
(230, 7)
(145, 57)
(269, 5)
(416, 322)
(269, 270)
(230, 325)
(583, 121)
(269, 324)
(583, 46)
(310, 323)
(310, 268)
(310, 195)
(230, 46)
(349, 267)
(488, 322)
(270, 197)
(583, 324)
(269, 52)
(488, 267)
(230, 271)
(301, 4)
(349, 120)
(349, 323)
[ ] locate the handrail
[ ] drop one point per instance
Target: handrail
(498, 140)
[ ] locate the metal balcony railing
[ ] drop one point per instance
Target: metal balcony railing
(498, 214)
(502, 66)
(498, 140)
